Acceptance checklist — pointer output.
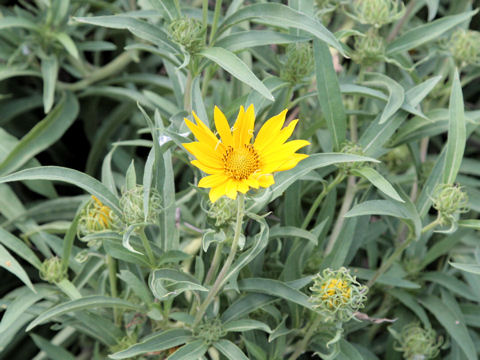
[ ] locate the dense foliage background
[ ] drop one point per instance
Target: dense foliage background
(386, 92)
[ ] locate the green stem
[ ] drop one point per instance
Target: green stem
(233, 251)
(215, 262)
(338, 179)
(113, 67)
(302, 345)
(112, 277)
(147, 247)
(431, 225)
(216, 16)
(347, 202)
(187, 96)
(205, 13)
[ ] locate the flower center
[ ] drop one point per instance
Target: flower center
(336, 292)
(241, 162)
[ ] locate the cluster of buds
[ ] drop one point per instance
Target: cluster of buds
(53, 271)
(337, 295)
(464, 45)
(449, 201)
(369, 48)
(96, 217)
(210, 331)
(188, 32)
(133, 209)
(299, 63)
(377, 12)
(351, 148)
(223, 211)
(417, 343)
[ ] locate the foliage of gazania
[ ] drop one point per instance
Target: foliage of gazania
(417, 343)
(233, 162)
(337, 295)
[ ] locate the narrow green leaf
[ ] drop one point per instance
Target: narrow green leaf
(246, 325)
(49, 75)
(19, 248)
(42, 135)
(470, 223)
(275, 288)
(155, 342)
(456, 329)
(378, 181)
(410, 302)
(88, 302)
(281, 15)
(230, 350)
(456, 133)
(190, 351)
(9, 263)
(166, 6)
(54, 352)
(68, 44)
(292, 231)
(247, 39)
(396, 94)
(11, 22)
(329, 94)
(427, 32)
(246, 305)
(470, 268)
(237, 68)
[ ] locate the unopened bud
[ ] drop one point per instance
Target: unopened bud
(464, 46)
(449, 200)
(299, 63)
(210, 331)
(96, 217)
(369, 49)
(224, 211)
(52, 270)
(417, 343)
(132, 204)
(188, 32)
(377, 12)
(351, 149)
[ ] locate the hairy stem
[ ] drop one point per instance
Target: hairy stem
(233, 251)
(215, 262)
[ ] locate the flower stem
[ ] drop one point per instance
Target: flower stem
(112, 277)
(326, 189)
(215, 262)
(187, 96)
(218, 282)
(302, 345)
(347, 202)
(147, 247)
(216, 16)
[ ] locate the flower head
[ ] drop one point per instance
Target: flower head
(233, 162)
(337, 295)
(416, 342)
(96, 217)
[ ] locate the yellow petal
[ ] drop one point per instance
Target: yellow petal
(201, 125)
(282, 136)
(205, 154)
(212, 180)
(206, 168)
(266, 180)
(231, 189)
(291, 163)
(203, 136)
(222, 126)
(243, 128)
(217, 192)
(269, 130)
(283, 151)
(252, 181)
(242, 186)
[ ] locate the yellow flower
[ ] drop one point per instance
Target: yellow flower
(338, 290)
(236, 164)
(101, 214)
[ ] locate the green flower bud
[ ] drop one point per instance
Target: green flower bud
(398, 160)
(337, 295)
(465, 46)
(188, 32)
(132, 206)
(223, 211)
(210, 331)
(369, 49)
(299, 63)
(96, 218)
(352, 149)
(417, 343)
(449, 201)
(52, 270)
(377, 12)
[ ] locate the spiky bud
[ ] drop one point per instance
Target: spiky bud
(96, 217)
(464, 45)
(188, 32)
(223, 211)
(210, 331)
(132, 204)
(449, 201)
(337, 295)
(52, 270)
(351, 149)
(417, 343)
(369, 49)
(377, 12)
(298, 64)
